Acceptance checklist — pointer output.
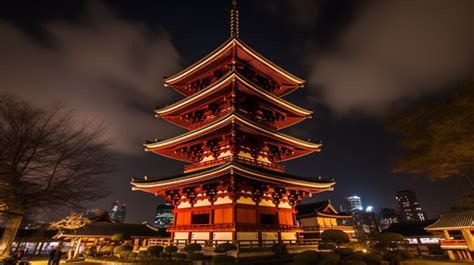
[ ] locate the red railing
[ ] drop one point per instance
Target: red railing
(453, 243)
(223, 160)
(239, 227)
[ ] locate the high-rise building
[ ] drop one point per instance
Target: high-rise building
(118, 211)
(234, 187)
(353, 203)
(164, 215)
(387, 217)
(410, 209)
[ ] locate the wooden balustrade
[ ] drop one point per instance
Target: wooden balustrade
(226, 159)
(239, 227)
(453, 243)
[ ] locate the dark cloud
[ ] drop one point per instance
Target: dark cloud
(107, 68)
(395, 50)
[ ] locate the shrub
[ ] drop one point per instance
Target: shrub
(164, 255)
(355, 256)
(196, 256)
(373, 259)
(120, 237)
(108, 249)
(179, 256)
(222, 259)
(329, 259)
(193, 248)
(336, 236)
(90, 252)
(388, 240)
(279, 249)
(405, 254)
(354, 262)
(155, 251)
(224, 248)
(344, 252)
(171, 249)
(132, 256)
(326, 246)
(143, 254)
(122, 249)
(308, 257)
(393, 259)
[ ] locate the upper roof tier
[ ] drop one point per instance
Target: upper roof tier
(237, 132)
(234, 54)
(216, 100)
(320, 209)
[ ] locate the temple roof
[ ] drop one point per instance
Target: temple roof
(233, 117)
(321, 209)
(106, 229)
(410, 229)
(242, 51)
(176, 108)
(453, 221)
(235, 167)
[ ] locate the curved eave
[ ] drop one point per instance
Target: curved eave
(220, 50)
(230, 167)
(231, 117)
(224, 81)
(338, 216)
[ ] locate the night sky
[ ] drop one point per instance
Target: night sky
(363, 61)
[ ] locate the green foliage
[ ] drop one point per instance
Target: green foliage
(119, 250)
(155, 251)
(132, 256)
(90, 252)
(196, 255)
(373, 259)
(355, 256)
(326, 246)
(354, 262)
(193, 248)
(405, 254)
(120, 237)
(336, 236)
(393, 259)
(164, 255)
(308, 257)
(344, 253)
(178, 256)
(107, 249)
(279, 249)
(222, 259)
(329, 259)
(171, 249)
(438, 139)
(143, 254)
(387, 240)
(224, 248)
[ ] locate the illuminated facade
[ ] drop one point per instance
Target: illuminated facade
(118, 211)
(409, 207)
(233, 187)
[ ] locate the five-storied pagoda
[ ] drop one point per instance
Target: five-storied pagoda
(233, 187)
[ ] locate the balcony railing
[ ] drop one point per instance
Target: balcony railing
(238, 227)
(321, 228)
(453, 244)
(226, 159)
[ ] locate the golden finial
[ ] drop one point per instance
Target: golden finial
(234, 20)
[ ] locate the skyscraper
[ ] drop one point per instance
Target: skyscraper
(410, 209)
(118, 211)
(353, 203)
(387, 217)
(164, 215)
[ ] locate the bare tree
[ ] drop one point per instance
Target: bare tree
(47, 162)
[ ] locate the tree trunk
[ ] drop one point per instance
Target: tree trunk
(9, 235)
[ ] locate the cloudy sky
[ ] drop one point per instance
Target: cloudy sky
(362, 60)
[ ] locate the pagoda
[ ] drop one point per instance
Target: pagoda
(234, 187)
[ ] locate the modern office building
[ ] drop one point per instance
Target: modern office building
(118, 211)
(353, 203)
(410, 210)
(387, 217)
(164, 215)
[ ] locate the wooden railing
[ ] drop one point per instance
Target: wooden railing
(223, 160)
(453, 243)
(239, 243)
(238, 227)
(328, 227)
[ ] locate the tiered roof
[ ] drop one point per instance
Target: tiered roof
(320, 209)
(453, 221)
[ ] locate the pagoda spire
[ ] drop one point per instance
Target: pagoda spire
(234, 20)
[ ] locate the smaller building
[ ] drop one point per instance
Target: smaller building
(316, 217)
(118, 211)
(456, 230)
(387, 217)
(164, 215)
(420, 241)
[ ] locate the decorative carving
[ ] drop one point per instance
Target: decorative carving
(190, 193)
(173, 196)
(211, 191)
(258, 191)
(277, 194)
(295, 196)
